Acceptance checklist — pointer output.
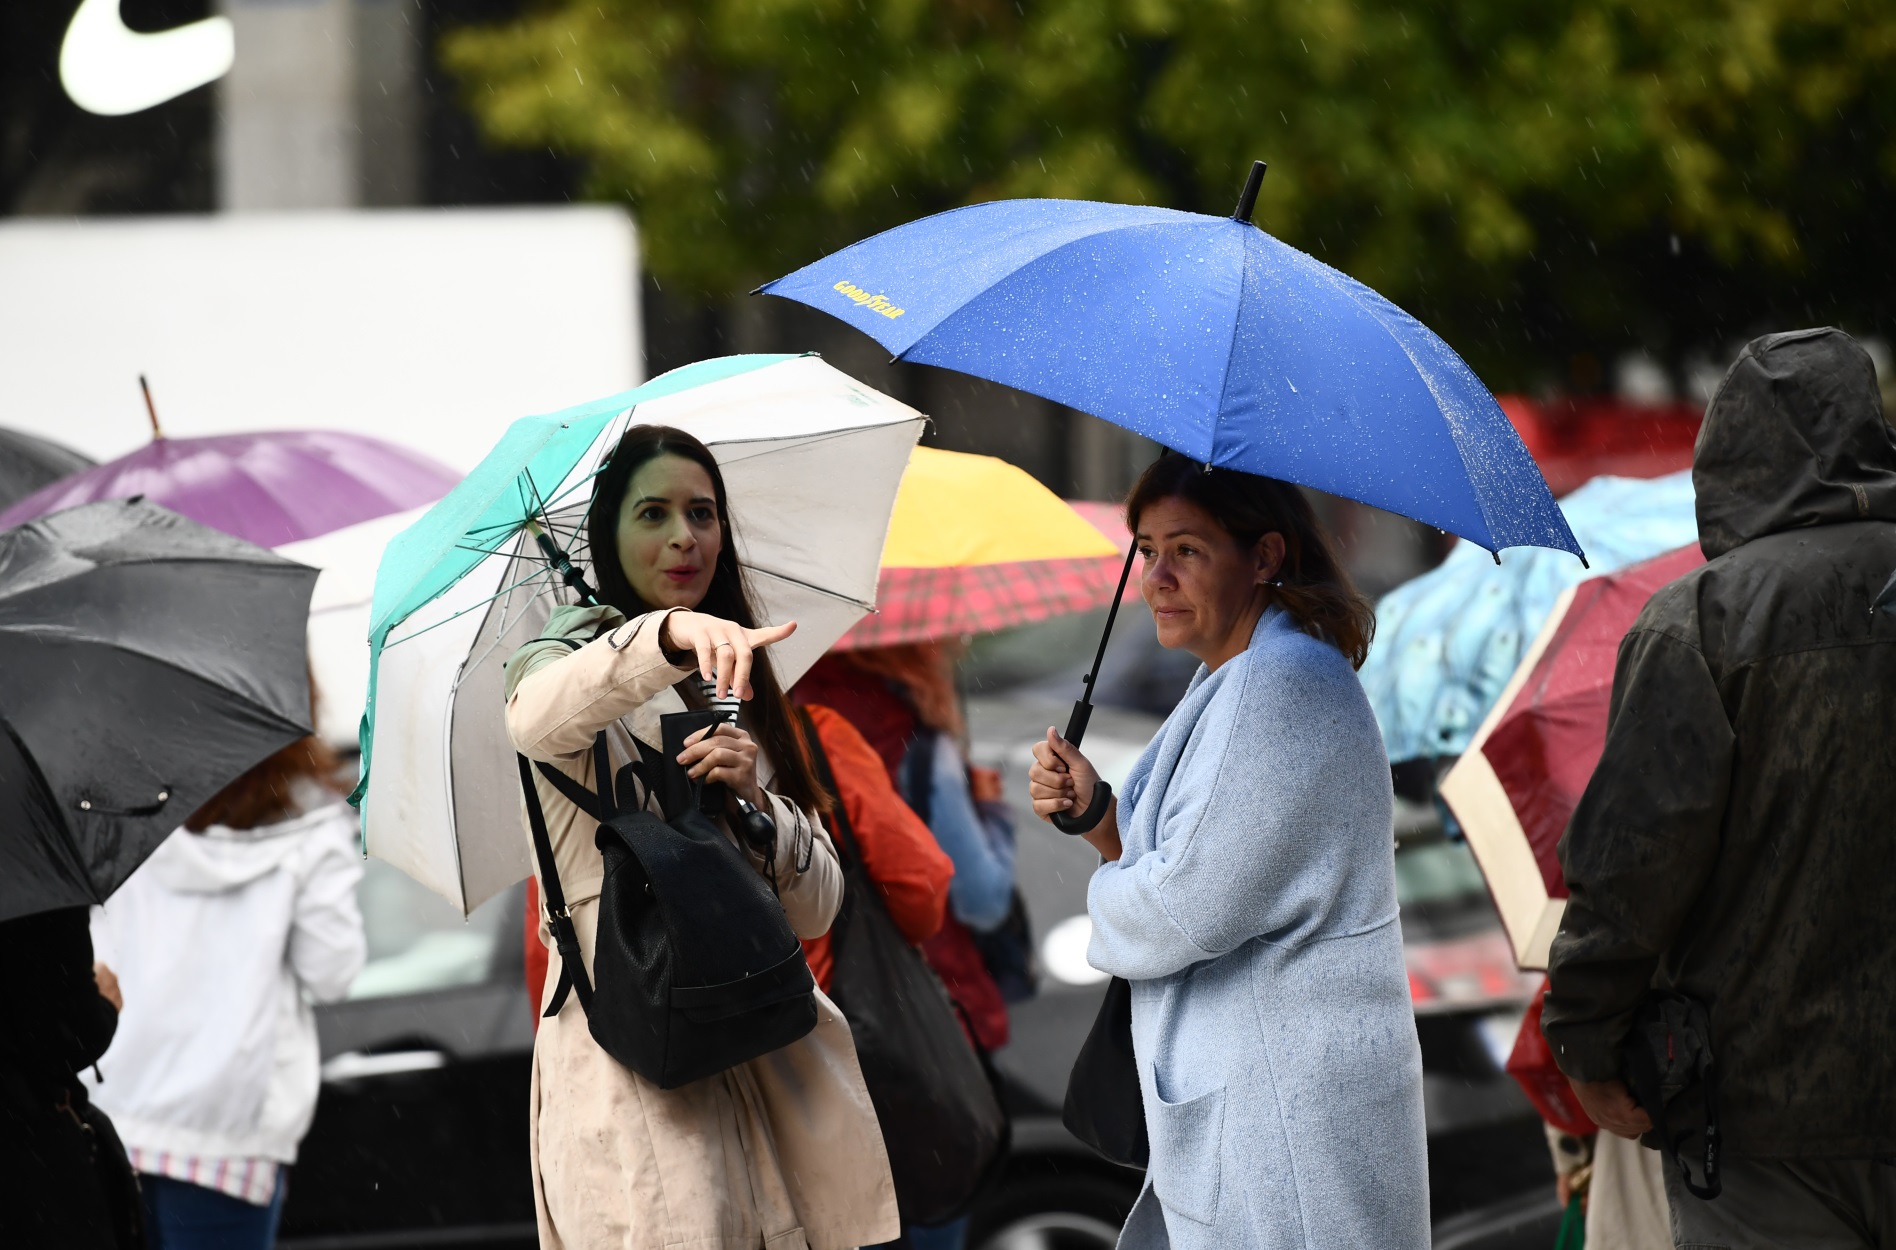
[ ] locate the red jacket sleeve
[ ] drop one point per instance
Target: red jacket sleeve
(898, 851)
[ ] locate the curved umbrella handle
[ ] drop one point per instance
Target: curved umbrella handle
(1088, 820)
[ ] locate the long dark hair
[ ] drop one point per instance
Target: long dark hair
(1312, 583)
(726, 596)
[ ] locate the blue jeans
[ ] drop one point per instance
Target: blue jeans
(183, 1216)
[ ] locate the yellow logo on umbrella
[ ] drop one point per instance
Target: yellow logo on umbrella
(874, 303)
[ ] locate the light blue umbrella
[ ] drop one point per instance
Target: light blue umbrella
(1448, 641)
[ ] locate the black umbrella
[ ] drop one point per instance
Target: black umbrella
(28, 462)
(145, 663)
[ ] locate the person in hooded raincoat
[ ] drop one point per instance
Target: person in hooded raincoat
(1249, 892)
(1734, 842)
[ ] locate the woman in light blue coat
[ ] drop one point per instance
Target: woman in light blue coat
(1249, 894)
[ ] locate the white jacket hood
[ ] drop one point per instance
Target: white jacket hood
(222, 859)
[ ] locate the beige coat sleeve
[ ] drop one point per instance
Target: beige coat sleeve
(562, 698)
(810, 898)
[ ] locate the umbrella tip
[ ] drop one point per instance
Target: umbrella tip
(1247, 201)
(150, 410)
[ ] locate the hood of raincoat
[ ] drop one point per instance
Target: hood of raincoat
(1795, 437)
(222, 859)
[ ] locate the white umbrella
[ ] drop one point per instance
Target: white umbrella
(811, 459)
(339, 617)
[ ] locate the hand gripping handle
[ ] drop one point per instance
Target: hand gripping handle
(1076, 823)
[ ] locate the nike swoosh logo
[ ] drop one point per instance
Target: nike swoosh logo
(111, 69)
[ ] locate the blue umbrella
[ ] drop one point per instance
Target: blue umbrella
(1448, 641)
(1206, 335)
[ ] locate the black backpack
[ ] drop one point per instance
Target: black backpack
(696, 968)
(936, 1097)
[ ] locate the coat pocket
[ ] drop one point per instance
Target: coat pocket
(1187, 1145)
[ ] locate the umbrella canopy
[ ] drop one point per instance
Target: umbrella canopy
(811, 459)
(339, 617)
(1448, 641)
(28, 463)
(1517, 785)
(269, 487)
(976, 544)
(145, 662)
(1203, 334)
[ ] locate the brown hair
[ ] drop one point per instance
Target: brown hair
(926, 674)
(726, 596)
(1312, 584)
(266, 794)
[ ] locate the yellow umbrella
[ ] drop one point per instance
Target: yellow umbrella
(977, 544)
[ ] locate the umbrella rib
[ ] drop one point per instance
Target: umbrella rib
(812, 586)
(504, 590)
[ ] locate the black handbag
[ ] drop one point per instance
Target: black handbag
(1667, 1058)
(1103, 1106)
(935, 1095)
(696, 968)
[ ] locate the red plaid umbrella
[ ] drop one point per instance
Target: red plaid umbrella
(916, 605)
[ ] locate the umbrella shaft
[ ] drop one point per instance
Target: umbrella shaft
(1083, 710)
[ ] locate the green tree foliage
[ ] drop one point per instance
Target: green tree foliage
(1532, 178)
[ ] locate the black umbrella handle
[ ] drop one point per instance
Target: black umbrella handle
(1083, 822)
(562, 564)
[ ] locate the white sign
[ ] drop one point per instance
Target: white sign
(433, 328)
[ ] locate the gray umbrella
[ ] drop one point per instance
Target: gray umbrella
(145, 662)
(28, 462)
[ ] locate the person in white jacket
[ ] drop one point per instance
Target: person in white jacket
(222, 941)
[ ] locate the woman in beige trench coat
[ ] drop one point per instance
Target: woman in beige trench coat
(782, 1152)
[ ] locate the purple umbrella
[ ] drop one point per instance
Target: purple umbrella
(268, 488)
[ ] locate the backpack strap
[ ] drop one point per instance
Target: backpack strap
(918, 774)
(845, 834)
(559, 919)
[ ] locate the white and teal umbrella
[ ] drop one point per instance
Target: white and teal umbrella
(811, 459)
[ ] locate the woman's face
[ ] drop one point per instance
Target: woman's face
(669, 537)
(1205, 591)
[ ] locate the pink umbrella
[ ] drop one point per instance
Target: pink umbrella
(268, 487)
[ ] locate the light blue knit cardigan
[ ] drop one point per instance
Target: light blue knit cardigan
(1254, 912)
